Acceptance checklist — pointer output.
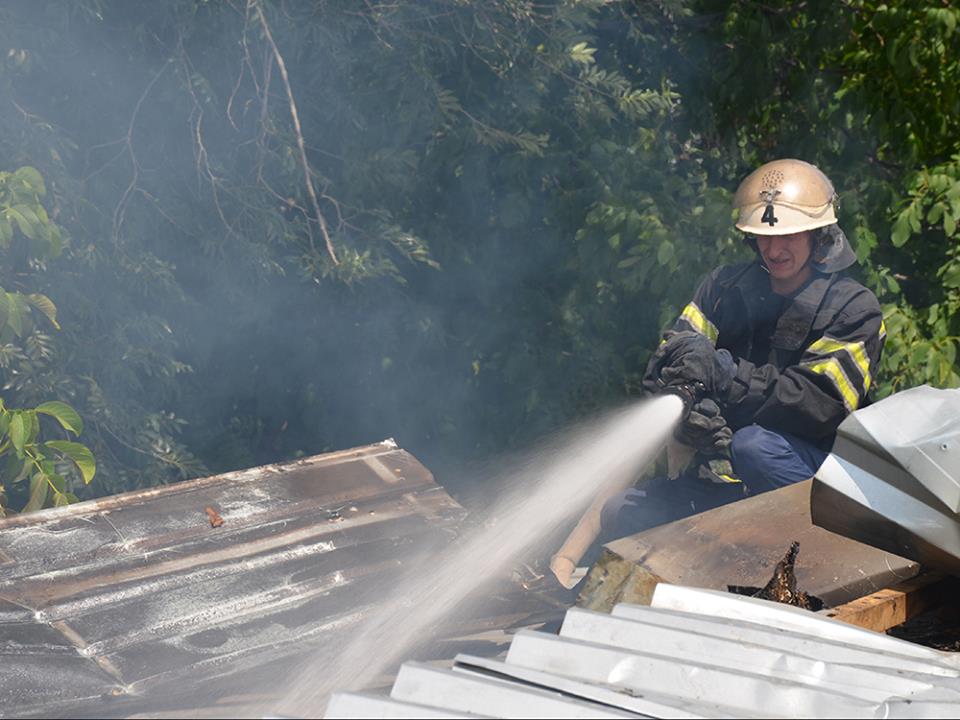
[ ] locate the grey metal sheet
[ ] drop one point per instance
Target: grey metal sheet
(135, 603)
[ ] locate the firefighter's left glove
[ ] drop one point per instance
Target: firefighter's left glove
(706, 430)
(694, 359)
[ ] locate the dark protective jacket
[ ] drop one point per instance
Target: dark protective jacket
(820, 358)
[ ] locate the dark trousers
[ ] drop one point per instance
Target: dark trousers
(763, 459)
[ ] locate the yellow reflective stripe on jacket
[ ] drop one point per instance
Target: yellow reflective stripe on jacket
(857, 351)
(883, 331)
(831, 368)
(727, 479)
(695, 317)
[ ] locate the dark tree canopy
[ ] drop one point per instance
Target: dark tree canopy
(289, 226)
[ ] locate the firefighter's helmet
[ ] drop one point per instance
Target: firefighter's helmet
(790, 196)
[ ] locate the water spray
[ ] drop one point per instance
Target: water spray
(541, 494)
(564, 562)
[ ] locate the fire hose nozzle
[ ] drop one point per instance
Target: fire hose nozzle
(689, 394)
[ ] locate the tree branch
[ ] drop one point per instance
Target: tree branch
(294, 115)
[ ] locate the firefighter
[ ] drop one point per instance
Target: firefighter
(778, 351)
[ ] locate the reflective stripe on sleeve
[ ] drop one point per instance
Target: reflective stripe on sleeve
(883, 331)
(831, 368)
(857, 352)
(727, 479)
(698, 321)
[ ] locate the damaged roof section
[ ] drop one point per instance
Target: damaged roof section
(692, 653)
(200, 596)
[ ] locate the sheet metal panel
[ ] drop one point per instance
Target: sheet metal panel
(471, 693)
(869, 683)
(741, 691)
(134, 603)
(713, 603)
(827, 650)
(361, 705)
(653, 704)
(700, 658)
(892, 479)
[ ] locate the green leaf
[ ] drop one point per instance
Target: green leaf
(951, 277)
(79, 454)
(58, 482)
(6, 232)
(949, 19)
(582, 54)
(665, 252)
(32, 423)
(16, 469)
(13, 314)
(949, 224)
(901, 230)
(31, 177)
(18, 432)
(65, 415)
(44, 305)
(26, 220)
(38, 493)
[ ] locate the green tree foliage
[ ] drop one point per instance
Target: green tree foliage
(33, 474)
(291, 226)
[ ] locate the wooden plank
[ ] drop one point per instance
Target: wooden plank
(892, 606)
(739, 545)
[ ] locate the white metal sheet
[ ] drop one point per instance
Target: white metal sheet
(826, 649)
(362, 705)
(931, 524)
(918, 427)
(471, 693)
(653, 704)
(739, 689)
(714, 603)
(868, 683)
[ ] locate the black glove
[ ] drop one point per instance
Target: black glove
(705, 430)
(690, 357)
(673, 345)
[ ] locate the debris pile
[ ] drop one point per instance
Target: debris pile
(782, 587)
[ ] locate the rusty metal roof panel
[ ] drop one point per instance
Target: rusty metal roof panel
(139, 603)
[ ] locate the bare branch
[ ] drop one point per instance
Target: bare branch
(295, 117)
(121, 209)
(200, 150)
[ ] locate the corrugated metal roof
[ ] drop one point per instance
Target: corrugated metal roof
(694, 653)
(136, 603)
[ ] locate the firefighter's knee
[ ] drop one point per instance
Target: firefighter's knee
(766, 460)
(749, 449)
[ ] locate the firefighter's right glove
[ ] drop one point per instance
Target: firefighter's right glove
(690, 357)
(705, 430)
